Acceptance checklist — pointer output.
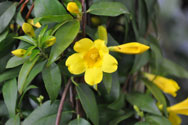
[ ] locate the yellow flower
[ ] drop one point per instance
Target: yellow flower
(93, 58)
(130, 48)
(180, 108)
(30, 21)
(73, 8)
(50, 42)
(167, 85)
(19, 52)
(174, 118)
(28, 29)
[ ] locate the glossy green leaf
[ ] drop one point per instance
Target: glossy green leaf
(142, 123)
(88, 102)
(4, 5)
(157, 120)
(7, 16)
(46, 114)
(53, 18)
(107, 81)
(63, 39)
(34, 72)
(156, 92)
(15, 61)
(19, 19)
(3, 35)
(27, 39)
(144, 102)
(174, 69)
(24, 72)
(9, 74)
(13, 121)
(48, 7)
(116, 121)
(79, 121)
(119, 103)
(4, 110)
(52, 80)
(104, 8)
(10, 96)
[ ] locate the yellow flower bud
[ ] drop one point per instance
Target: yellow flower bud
(28, 29)
(50, 42)
(19, 52)
(167, 85)
(130, 48)
(73, 8)
(37, 25)
(102, 33)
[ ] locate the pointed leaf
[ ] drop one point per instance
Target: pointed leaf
(79, 121)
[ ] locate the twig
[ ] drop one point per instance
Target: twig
(58, 118)
(23, 6)
(83, 18)
(71, 96)
(29, 12)
(21, 1)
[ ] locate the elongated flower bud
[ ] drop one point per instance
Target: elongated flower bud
(19, 52)
(73, 8)
(28, 29)
(130, 48)
(50, 42)
(167, 85)
(102, 34)
(37, 25)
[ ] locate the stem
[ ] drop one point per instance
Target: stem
(58, 118)
(83, 18)
(23, 6)
(21, 1)
(29, 13)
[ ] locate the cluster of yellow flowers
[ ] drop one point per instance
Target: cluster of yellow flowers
(93, 58)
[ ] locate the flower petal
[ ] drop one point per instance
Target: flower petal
(174, 119)
(109, 64)
(83, 45)
(130, 48)
(75, 64)
(167, 85)
(93, 76)
(179, 108)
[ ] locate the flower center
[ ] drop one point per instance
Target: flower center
(92, 57)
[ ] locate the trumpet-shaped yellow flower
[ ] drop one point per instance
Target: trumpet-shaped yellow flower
(19, 52)
(37, 25)
(73, 8)
(50, 42)
(180, 108)
(93, 58)
(174, 118)
(28, 29)
(167, 85)
(130, 48)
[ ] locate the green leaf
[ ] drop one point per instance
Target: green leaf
(46, 114)
(9, 74)
(174, 69)
(10, 96)
(79, 121)
(119, 103)
(19, 19)
(140, 61)
(157, 120)
(7, 16)
(34, 72)
(144, 102)
(88, 102)
(64, 39)
(27, 39)
(3, 35)
(105, 8)
(48, 7)
(107, 81)
(53, 18)
(121, 118)
(24, 72)
(15, 61)
(13, 121)
(142, 123)
(156, 92)
(4, 5)
(52, 80)
(3, 111)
